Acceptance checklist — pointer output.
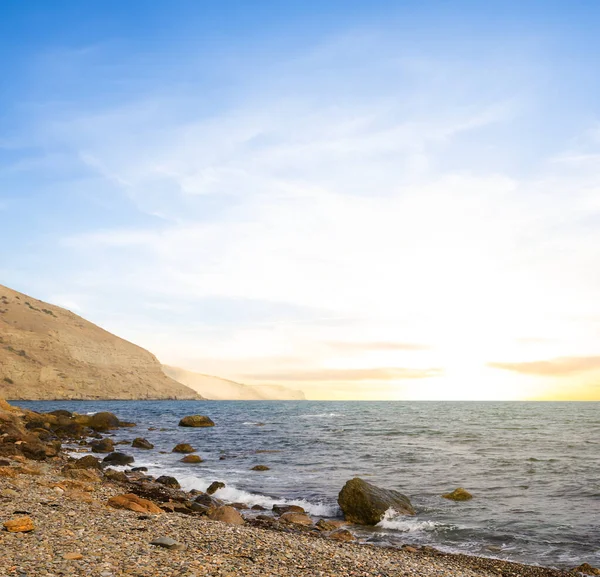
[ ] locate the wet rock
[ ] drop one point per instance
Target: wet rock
(192, 459)
(281, 509)
(168, 481)
(296, 519)
(183, 448)
(366, 504)
(157, 492)
(134, 503)
(260, 468)
(196, 421)
(139, 469)
(168, 543)
(4, 463)
(258, 508)
(103, 446)
(239, 506)
(19, 525)
(329, 524)
(226, 514)
(141, 443)
(208, 501)
(341, 535)
(214, 487)
(459, 494)
(117, 459)
(100, 422)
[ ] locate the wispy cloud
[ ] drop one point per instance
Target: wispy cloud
(357, 347)
(346, 375)
(559, 367)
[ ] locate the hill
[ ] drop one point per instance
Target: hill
(47, 352)
(218, 389)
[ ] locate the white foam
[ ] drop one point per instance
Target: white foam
(406, 524)
(321, 416)
(234, 495)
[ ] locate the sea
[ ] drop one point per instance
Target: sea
(533, 468)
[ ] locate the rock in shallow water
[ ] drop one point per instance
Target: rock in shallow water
(192, 459)
(366, 504)
(183, 448)
(117, 459)
(214, 487)
(141, 443)
(260, 468)
(168, 481)
(196, 421)
(459, 494)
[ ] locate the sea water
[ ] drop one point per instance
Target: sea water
(533, 468)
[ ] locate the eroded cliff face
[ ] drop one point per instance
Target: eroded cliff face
(47, 352)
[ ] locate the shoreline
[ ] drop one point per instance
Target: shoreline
(72, 519)
(77, 532)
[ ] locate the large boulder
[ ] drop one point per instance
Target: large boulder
(196, 421)
(366, 504)
(102, 422)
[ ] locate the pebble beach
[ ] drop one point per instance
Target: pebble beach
(77, 533)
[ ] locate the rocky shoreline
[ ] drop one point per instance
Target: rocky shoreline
(66, 516)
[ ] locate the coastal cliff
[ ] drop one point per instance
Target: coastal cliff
(217, 389)
(47, 352)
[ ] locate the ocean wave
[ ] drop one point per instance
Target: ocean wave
(234, 495)
(405, 524)
(321, 416)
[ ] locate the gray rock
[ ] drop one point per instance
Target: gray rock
(168, 543)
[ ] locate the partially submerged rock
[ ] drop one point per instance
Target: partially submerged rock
(214, 487)
(260, 468)
(281, 509)
(169, 481)
(141, 443)
(192, 459)
(183, 448)
(459, 494)
(366, 504)
(102, 446)
(196, 421)
(117, 459)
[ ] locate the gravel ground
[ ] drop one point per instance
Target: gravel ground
(77, 534)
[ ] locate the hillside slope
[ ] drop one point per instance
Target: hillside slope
(218, 389)
(47, 352)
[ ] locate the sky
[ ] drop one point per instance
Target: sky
(361, 200)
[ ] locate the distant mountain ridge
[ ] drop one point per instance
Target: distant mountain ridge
(47, 353)
(217, 389)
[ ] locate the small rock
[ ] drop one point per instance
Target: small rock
(192, 459)
(168, 481)
(183, 448)
(72, 556)
(459, 494)
(19, 525)
(141, 443)
(226, 514)
(117, 459)
(196, 421)
(341, 535)
(329, 525)
(134, 503)
(281, 509)
(118, 476)
(214, 487)
(168, 543)
(260, 468)
(102, 446)
(296, 519)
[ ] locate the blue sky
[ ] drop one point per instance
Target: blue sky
(382, 199)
